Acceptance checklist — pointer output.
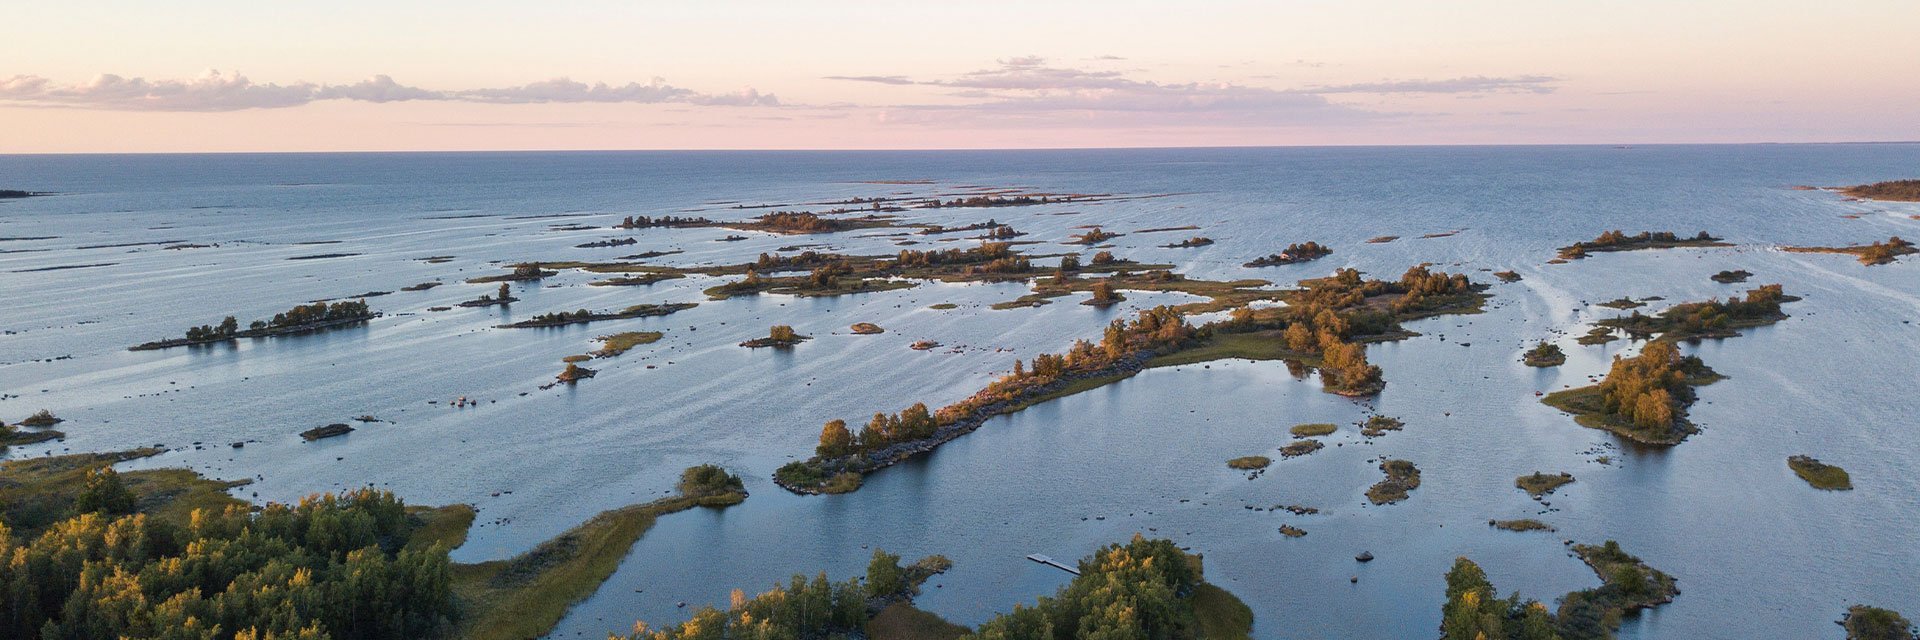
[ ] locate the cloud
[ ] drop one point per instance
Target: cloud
(216, 91)
(1475, 84)
(875, 79)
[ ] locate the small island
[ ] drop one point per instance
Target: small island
(329, 431)
(574, 373)
(1402, 477)
(780, 335)
(582, 316)
(1877, 253)
(1250, 463)
(309, 318)
(1522, 525)
(11, 435)
(616, 344)
(1300, 447)
(1643, 398)
(8, 194)
(41, 419)
(1104, 295)
(1695, 321)
(1819, 474)
(867, 329)
(1508, 277)
(1095, 235)
(1189, 243)
(1863, 622)
(523, 272)
(1296, 253)
(1545, 354)
(1617, 240)
(1891, 190)
(1378, 425)
(1539, 484)
(1731, 277)
(1312, 429)
(1475, 610)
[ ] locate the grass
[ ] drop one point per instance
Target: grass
(525, 596)
(446, 525)
(867, 328)
(1538, 484)
(1250, 462)
(1402, 477)
(1221, 615)
(1819, 474)
(1523, 524)
(616, 344)
(1300, 448)
(843, 482)
(903, 621)
(1246, 346)
(38, 492)
(1312, 429)
(1378, 425)
(944, 306)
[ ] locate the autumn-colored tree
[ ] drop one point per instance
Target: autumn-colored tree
(835, 440)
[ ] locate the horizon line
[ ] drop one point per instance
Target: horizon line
(955, 149)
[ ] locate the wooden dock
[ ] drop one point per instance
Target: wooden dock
(1052, 563)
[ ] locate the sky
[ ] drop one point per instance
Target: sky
(395, 75)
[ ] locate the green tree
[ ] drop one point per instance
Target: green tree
(105, 493)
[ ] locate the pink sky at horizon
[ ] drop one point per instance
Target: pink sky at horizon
(96, 76)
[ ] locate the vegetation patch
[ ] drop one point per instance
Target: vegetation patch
(318, 316)
(41, 419)
(1249, 463)
(1299, 448)
(583, 316)
(1643, 398)
(1873, 623)
(1538, 484)
(523, 272)
(618, 343)
(1894, 190)
(1474, 610)
(1402, 477)
(1379, 425)
(1622, 303)
(1544, 354)
(1312, 429)
(944, 306)
(1524, 524)
(329, 431)
(867, 329)
(1877, 253)
(1819, 474)
(1708, 319)
(1294, 254)
(1730, 277)
(1620, 241)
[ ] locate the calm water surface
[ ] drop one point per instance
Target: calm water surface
(1757, 552)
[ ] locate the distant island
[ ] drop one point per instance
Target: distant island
(1617, 240)
(1892, 190)
(302, 319)
(1294, 254)
(16, 193)
(1877, 253)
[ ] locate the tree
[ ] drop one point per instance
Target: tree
(503, 293)
(782, 333)
(835, 440)
(883, 575)
(105, 493)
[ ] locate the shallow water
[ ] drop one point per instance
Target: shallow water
(1757, 552)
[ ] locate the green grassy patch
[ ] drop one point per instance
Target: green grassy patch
(38, 492)
(1250, 462)
(903, 621)
(1221, 615)
(525, 596)
(1819, 474)
(1538, 484)
(616, 344)
(1523, 524)
(1313, 429)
